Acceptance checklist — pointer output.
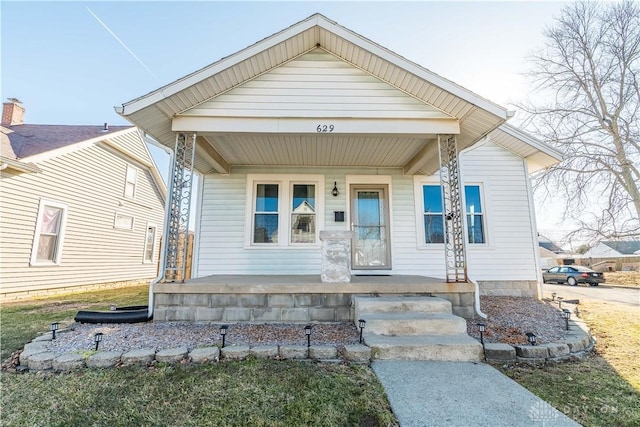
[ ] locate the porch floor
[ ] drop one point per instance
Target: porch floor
(311, 284)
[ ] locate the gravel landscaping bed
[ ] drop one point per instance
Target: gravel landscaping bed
(509, 318)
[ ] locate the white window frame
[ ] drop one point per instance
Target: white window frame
(134, 182)
(153, 244)
(418, 182)
(61, 233)
(123, 214)
(285, 184)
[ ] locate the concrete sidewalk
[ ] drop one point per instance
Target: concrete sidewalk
(461, 394)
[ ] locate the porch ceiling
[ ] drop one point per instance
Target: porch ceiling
(315, 150)
(155, 111)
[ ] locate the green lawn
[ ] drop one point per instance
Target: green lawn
(253, 392)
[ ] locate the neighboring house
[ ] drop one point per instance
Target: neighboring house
(317, 135)
(550, 252)
(80, 205)
(614, 249)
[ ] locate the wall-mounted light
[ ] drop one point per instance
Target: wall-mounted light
(335, 191)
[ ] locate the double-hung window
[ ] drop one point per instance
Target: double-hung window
(130, 182)
(149, 243)
(433, 214)
(49, 234)
(285, 209)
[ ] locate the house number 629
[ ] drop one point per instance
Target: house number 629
(324, 128)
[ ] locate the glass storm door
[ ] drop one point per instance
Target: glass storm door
(369, 223)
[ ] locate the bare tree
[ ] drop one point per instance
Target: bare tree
(587, 103)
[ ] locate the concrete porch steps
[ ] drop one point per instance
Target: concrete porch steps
(415, 328)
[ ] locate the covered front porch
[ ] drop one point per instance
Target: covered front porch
(293, 298)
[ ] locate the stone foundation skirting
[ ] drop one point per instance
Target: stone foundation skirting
(509, 288)
(276, 308)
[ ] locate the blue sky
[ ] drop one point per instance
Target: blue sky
(67, 68)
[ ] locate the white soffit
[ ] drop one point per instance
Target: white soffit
(538, 154)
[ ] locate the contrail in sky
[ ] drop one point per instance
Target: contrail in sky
(123, 45)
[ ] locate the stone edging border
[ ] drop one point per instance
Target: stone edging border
(37, 357)
(577, 343)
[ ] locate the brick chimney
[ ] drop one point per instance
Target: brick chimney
(12, 112)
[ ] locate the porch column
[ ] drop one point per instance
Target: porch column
(455, 257)
(180, 189)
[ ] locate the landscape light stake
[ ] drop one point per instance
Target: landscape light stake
(361, 324)
(481, 327)
(531, 337)
(566, 314)
(97, 338)
(560, 302)
(54, 328)
(223, 333)
(553, 296)
(307, 332)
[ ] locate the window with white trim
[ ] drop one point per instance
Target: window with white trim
(123, 221)
(130, 182)
(433, 215)
(284, 209)
(49, 235)
(150, 243)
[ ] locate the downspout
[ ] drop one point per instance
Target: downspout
(476, 300)
(534, 229)
(165, 232)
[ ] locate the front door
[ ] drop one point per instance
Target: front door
(369, 222)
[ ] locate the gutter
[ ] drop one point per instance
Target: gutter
(476, 299)
(165, 230)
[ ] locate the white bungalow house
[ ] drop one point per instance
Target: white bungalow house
(332, 167)
(80, 206)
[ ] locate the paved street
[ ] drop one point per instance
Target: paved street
(604, 293)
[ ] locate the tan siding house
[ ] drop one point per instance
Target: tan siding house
(90, 210)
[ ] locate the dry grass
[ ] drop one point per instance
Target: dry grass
(623, 278)
(602, 389)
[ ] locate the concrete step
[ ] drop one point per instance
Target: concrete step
(455, 348)
(366, 304)
(414, 324)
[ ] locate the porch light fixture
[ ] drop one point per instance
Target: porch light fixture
(307, 332)
(566, 314)
(531, 337)
(361, 324)
(97, 338)
(223, 333)
(54, 328)
(335, 191)
(481, 327)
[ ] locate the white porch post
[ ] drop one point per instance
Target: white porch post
(455, 256)
(180, 189)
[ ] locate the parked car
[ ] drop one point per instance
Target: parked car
(573, 274)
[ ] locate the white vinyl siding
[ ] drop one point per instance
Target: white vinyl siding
(317, 84)
(49, 234)
(90, 182)
(505, 210)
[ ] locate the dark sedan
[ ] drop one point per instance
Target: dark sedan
(573, 274)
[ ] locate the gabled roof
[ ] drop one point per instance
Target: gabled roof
(629, 247)
(155, 111)
(538, 154)
(29, 140)
(23, 146)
